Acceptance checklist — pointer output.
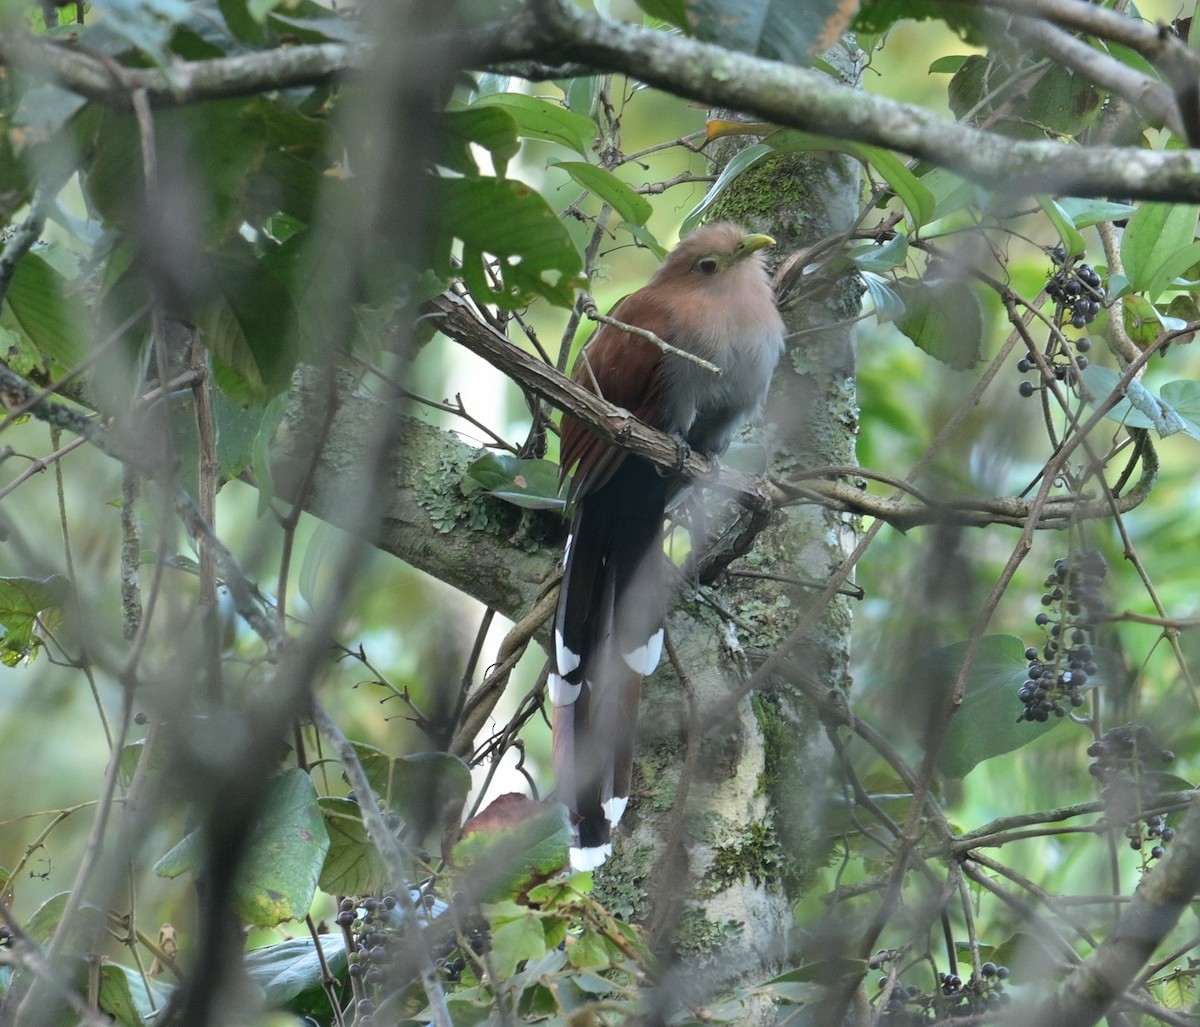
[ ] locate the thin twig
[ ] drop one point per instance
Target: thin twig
(593, 313)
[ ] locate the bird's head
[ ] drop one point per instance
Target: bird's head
(712, 251)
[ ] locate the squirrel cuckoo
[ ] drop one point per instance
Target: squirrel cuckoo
(711, 298)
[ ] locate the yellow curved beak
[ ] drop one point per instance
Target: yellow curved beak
(753, 243)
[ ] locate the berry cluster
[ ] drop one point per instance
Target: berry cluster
(1076, 289)
(1066, 662)
(1126, 758)
(954, 997)
(980, 993)
(371, 955)
(1077, 292)
(374, 929)
(452, 969)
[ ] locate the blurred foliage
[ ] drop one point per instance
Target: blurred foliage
(255, 246)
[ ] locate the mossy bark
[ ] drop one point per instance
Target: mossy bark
(724, 832)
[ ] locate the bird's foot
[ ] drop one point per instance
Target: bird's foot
(682, 451)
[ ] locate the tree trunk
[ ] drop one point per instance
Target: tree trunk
(724, 830)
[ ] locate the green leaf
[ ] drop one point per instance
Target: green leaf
(40, 927)
(289, 968)
(950, 193)
(43, 110)
(277, 877)
(259, 9)
(21, 600)
(1154, 237)
(147, 25)
(243, 25)
(742, 160)
(674, 12)
(248, 330)
(324, 536)
(493, 128)
(221, 143)
(515, 938)
(780, 30)
(427, 789)
(310, 22)
(1176, 408)
(945, 319)
(48, 312)
(822, 971)
(1072, 241)
(917, 199)
(986, 723)
(352, 865)
(645, 237)
(1057, 103)
(517, 844)
(1183, 396)
(490, 82)
(157, 757)
(1169, 272)
(633, 207)
(529, 484)
(588, 949)
(239, 430)
(1142, 319)
(887, 303)
(124, 995)
(581, 93)
(872, 257)
(540, 119)
(511, 222)
(1061, 102)
(186, 855)
(260, 454)
(1083, 213)
(947, 65)
(147, 995)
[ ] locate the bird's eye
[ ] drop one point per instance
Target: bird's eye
(707, 265)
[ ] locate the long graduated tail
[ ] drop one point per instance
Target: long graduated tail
(608, 635)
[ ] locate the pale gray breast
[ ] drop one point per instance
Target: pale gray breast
(743, 335)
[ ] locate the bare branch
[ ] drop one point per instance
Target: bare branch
(187, 81)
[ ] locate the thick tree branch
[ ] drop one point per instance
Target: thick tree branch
(552, 33)
(812, 101)
(1152, 97)
(186, 81)
(458, 321)
(422, 499)
(1153, 42)
(1165, 892)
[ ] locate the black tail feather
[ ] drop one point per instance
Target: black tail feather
(611, 607)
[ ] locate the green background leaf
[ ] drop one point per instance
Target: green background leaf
(986, 723)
